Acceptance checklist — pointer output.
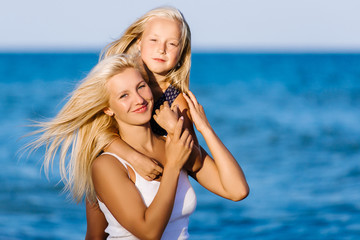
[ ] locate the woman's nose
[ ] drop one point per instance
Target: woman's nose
(139, 99)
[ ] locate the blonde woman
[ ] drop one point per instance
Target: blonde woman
(114, 100)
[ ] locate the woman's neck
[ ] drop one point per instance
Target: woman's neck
(140, 138)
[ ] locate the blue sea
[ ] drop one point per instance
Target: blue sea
(291, 120)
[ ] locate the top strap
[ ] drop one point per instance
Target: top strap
(123, 162)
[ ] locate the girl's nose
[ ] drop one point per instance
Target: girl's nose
(162, 48)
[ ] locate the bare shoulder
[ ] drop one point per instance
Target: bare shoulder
(184, 109)
(106, 164)
(180, 100)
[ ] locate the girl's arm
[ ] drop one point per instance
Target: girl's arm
(220, 174)
(145, 166)
(96, 222)
(122, 198)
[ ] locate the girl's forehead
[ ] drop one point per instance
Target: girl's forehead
(162, 23)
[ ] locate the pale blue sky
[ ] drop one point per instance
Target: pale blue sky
(244, 25)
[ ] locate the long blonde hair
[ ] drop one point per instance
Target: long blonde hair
(179, 75)
(81, 129)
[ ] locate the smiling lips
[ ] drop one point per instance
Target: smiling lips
(159, 59)
(141, 109)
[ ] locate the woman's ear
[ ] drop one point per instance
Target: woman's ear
(108, 111)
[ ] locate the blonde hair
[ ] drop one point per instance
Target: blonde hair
(179, 75)
(82, 128)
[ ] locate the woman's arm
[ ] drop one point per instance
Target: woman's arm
(167, 117)
(220, 174)
(96, 222)
(145, 166)
(122, 198)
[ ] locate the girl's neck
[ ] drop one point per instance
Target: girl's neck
(158, 88)
(158, 81)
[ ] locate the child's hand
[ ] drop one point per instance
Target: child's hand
(145, 166)
(178, 147)
(197, 112)
(167, 117)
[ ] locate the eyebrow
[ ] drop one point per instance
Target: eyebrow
(126, 91)
(156, 35)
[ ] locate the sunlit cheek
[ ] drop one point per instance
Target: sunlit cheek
(172, 48)
(148, 46)
(146, 93)
(121, 106)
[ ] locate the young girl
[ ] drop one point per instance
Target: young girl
(114, 100)
(162, 40)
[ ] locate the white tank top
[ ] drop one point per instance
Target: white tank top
(184, 206)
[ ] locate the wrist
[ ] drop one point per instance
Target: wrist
(206, 129)
(170, 131)
(135, 157)
(171, 170)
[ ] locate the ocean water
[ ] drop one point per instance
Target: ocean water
(291, 120)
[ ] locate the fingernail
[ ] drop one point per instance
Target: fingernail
(182, 117)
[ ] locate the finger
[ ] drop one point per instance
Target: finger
(189, 101)
(158, 169)
(178, 128)
(174, 106)
(188, 141)
(175, 109)
(148, 178)
(192, 97)
(156, 172)
(185, 135)
(191, 143)
(155, 117)
(166, 104)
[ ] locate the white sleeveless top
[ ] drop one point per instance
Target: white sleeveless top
(184, 206)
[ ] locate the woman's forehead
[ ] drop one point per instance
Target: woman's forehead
(125, 79)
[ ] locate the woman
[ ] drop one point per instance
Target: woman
(114, 100)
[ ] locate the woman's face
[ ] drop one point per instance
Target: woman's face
(131, 100)
(160, 45)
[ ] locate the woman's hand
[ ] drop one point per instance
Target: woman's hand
(197, 112)
(178, 147)
(167, 117)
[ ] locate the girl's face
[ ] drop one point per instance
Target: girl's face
(160, 45)
(131, 100)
